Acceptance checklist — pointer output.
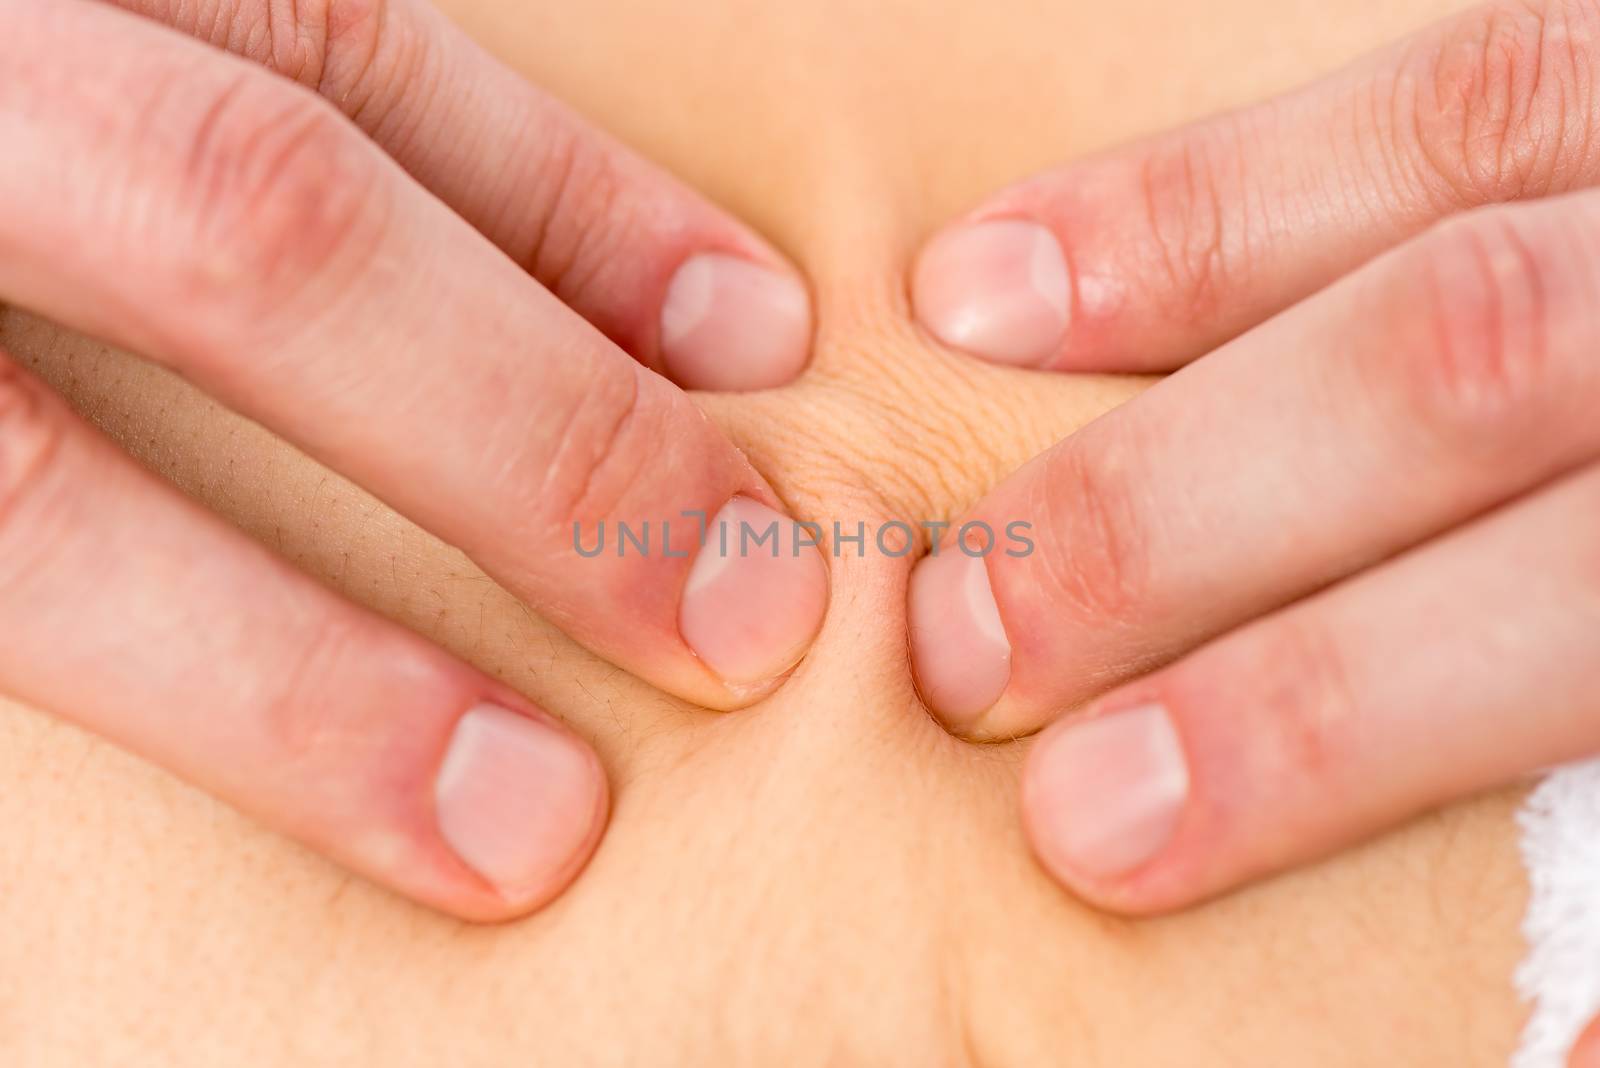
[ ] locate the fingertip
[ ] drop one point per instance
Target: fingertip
(998, 289)
(521, 802)
(1102, 796)
(960, 654)
(733, 325)
(755, 596)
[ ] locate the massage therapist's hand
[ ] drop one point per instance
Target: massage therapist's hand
(1347, 566)
(368, 284)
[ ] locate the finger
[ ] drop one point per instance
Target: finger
(1586, 1050)
(240, 674)
(187, 205)
(678, 283)
(1461, 666)
(1438, 381)
(1145, 257)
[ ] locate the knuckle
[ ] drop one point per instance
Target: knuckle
(592, 465)
(331, 46)
(376, 58)
(1305, 696)
(359, 54)
(1487, 363)
(582, 220)
(350, 36)
(1095, 560)
(281, 197)
(1196, 241)
(1498, 103)
(305, 713)
(290, 39)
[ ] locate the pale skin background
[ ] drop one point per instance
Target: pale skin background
(826, 878)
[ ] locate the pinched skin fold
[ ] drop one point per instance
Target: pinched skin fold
(826, 877)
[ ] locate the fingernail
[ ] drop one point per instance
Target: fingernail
(729, 324)
(516, 799)
(997, 290)
(959, 651)
(755, 594)
(1104, 793)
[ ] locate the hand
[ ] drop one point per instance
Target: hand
(1349, 558)
(385, 313)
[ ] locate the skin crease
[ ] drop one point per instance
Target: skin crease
(826, 878)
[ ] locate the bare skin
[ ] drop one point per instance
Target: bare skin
(826, 877)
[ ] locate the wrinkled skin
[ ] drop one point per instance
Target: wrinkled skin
(825, 878)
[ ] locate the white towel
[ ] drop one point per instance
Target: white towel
(1560, 976)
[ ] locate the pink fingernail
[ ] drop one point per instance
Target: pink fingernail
(729, 324)
(755, 594)
(998, 290)
(959, 650)
(1104, 793)
(516, 799)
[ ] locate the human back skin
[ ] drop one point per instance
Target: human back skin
(827, 877)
